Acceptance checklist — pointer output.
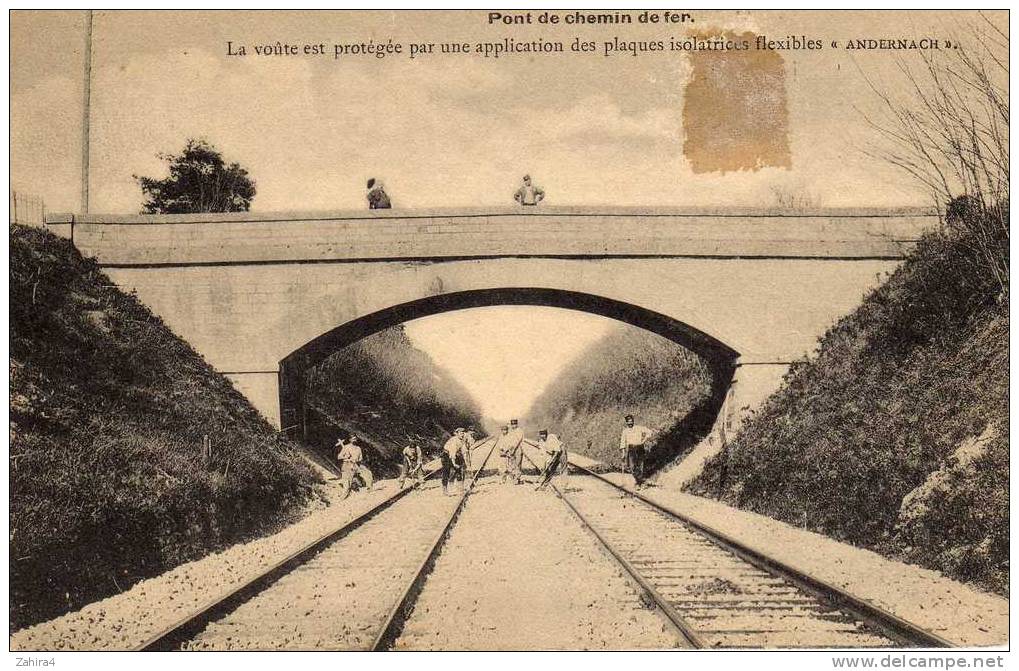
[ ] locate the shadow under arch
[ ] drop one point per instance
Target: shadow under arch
(720, 358)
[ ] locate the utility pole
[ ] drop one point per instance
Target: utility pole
(85, 112)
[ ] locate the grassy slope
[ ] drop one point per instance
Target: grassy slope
(388, 392)
(894, 436)
(108, 413)
(630, 371)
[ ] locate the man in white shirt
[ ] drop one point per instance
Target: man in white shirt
(412, 464)
(516, 438)
(557, 461)
(453, 464)
(507, 462)
(634, 444)
(469, 443)
(351, 459)
(529, 194)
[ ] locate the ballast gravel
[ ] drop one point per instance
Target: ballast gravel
(957, 612)
(127, 620)
(962, 614)
(519, 572)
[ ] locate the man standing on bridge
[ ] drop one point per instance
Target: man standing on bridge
(558, 461)
(634, 444)
(529, 194)
(377, 198)
(351, 459)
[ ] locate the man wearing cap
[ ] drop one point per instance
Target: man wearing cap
(634, 444)
(412, 464)
(557, 460)
(453, 461)
(351, 459)
(516, 450)
(529, 194)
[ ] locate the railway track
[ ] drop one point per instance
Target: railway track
(720, 593)
(351, 589)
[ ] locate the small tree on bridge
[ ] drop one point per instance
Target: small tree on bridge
(199, 181)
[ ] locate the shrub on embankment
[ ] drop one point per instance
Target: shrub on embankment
(109, 479)
(894, 434)
(388, 392)
(629, 371)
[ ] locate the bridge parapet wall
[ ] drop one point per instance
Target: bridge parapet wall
(248, 289)
(237, 238)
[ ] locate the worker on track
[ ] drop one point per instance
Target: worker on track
(634, 444)
(351, 458)
(557, 461)
(516, 450)
(412, 464)
(469, 443)
(507, 460)
(453, 464)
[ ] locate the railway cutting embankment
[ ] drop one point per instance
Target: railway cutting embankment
(893, 434)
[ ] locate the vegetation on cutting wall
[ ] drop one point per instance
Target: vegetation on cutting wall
(629, 371)
(389, 393)
(129, 454)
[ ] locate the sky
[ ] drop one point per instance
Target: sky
(439, 131)
(506, 355)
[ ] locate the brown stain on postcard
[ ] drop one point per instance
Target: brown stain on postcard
(735, 115)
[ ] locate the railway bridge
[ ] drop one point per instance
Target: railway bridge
(262, 296)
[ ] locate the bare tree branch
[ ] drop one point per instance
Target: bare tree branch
(949, 131)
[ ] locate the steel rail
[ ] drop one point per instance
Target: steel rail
(889, 624)
(172, 637)
(682, 627)
(398, 616)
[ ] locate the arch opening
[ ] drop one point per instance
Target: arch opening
(719, 357)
